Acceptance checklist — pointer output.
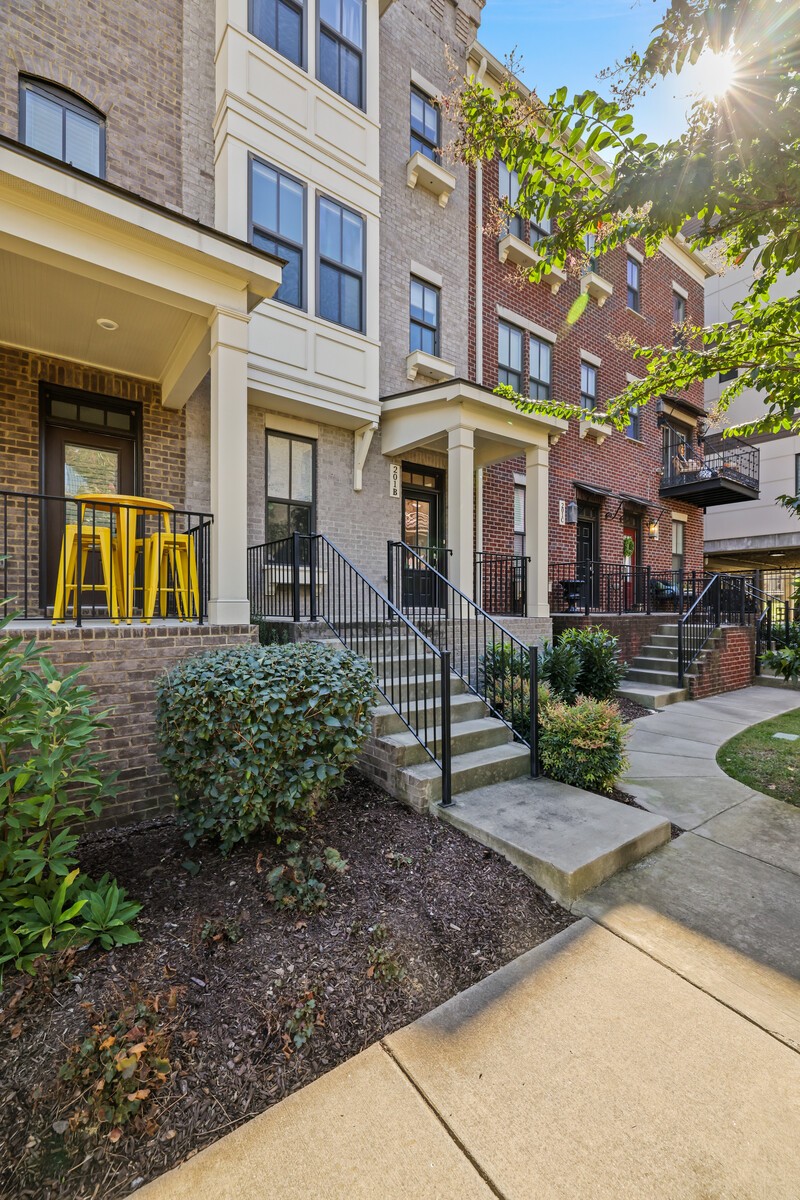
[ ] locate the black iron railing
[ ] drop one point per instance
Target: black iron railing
(307, 576)
(495, 665)
(736, 462)
(725, 600)
(501, 583)
(600, 587)
(69, 560)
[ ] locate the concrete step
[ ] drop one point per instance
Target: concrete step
(425, 686)
(652, 695)
(665, 652)
(564, 838)
(465, 707)
(770, 679)
(668, 677)
(479, 768)
(466, 737)
(664, 639)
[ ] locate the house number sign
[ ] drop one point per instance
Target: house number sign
(394, 480)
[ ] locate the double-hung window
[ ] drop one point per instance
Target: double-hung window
(63, 126)
(290, 486)
(509, 192)
(424, 317)
(634, 284)
(541, 356)
(588, 386)
(279, 24)
(678, 318)
(678, 545)
(541, 228)
(425, 125)
(340, 59)
(341, 265)
(277, 224)
(590, 242)
(509, 356)
(519, 518)
(632, 429)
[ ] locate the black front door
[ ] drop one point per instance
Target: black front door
(586, 552)
(423, 531)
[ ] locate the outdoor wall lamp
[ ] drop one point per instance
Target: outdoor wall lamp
(572, 512)
(654, 530)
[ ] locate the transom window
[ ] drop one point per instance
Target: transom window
(509, 356)
(341, 48)
(541, 354)
(634, 284)
(425, 125)
(60, 124)
(341, 265)
(588, 386)
(278, 225)
(424, 317)
(290, 486)
(279, 24)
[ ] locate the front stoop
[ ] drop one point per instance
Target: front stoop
(565, 839)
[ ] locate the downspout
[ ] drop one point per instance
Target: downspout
(479, 274)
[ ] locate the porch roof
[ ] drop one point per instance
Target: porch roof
(75, 250)
(425, 417)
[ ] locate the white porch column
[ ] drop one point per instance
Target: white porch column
(536, 518)
(228, 603)
(461, 506)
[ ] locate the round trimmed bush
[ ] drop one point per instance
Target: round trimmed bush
(600, 668)
(254, 737)
(583, 744)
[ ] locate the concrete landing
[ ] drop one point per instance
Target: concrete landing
(652, 695)
(565, 839)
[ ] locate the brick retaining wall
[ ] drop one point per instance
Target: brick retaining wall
(728, 663)
(633, 630)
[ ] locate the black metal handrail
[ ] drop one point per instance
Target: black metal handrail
(684, 463)
(501, 583)
(494, 664)
(594, 586)
(307, 576)
(725, 600)
(109, 561)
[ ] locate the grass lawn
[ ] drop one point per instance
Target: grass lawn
(763, 762)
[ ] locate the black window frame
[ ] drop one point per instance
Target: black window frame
(504, 369)
(633, 430)
(797, 475)
(273, 236)
(413, 322)
(297, 6)
(430, 102)
(342, 41)
(633, 294)
(585, 395)
(69, 101)
(362, 275)
(287, 500)
(541, 384)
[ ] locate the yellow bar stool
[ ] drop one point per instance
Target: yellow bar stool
(70, 571)
(170, 555)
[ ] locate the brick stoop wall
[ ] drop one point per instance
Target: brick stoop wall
(726, 664)
(122, 664)
(634, 630)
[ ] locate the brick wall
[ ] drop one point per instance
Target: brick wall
(122, 665)
(620, 464)
(727, 663)
(147, 70)
(633, 630)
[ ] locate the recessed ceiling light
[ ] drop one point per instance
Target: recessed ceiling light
(107, 323)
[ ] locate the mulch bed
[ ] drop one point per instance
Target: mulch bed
(451, 912)
(630, 710)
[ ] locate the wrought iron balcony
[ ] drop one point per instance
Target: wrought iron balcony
(726, 474)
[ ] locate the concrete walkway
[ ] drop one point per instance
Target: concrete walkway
(649, 1051)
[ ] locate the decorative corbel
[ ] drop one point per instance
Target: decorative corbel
(362, 440)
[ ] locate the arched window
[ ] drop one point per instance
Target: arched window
(58, 123)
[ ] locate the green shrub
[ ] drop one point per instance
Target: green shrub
(254, 737)
(560, 666)
(505, 673)
(52, 780)
(785, 660)
(583, 744)
(600, 670)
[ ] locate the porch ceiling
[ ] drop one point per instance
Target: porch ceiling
(425, 417)
(74, 250)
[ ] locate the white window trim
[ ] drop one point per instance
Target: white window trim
(676, 287)
(291, 425)
(512, 318)
(676, 516)
(634, 253)
(425, 85)
(591, 359)
(633, 379)
(426, 274)
(520, 480)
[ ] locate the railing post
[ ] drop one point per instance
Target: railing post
(295, 577)
(533, 682)
(447, 768)
(680, 653)
(648, 590)
(312, 566)
(588, 587)
(390, 571)
(742, 601)
(717, 603)
(78, 572)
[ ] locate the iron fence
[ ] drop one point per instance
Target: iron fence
(601, 587)
(501, 583)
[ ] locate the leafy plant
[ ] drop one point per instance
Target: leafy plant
(398, 859)
(583, 744)
(124, 1062)
(221, 929)
(384, 962)
(301, 1023)
(600, 669)
(560, 667)
(256, 737)
(296, 883)
(52, 780)
(785, 659)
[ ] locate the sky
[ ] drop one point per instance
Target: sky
(569, 41)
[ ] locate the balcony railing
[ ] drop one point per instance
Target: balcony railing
(501, 583)
(727, 474)
(602, 587)
(119, 560)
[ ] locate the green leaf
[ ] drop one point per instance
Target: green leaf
(577, 308)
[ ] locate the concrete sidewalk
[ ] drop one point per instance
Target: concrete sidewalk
(649, 1052)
